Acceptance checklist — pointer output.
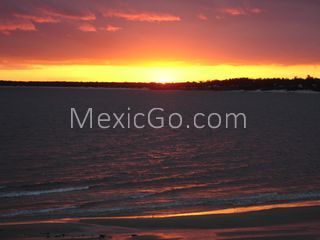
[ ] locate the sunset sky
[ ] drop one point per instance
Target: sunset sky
(163, 40)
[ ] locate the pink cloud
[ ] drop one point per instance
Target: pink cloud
(25, 21)
(143, 16)
(111, 28)
(64, 15)
(202, 17)
(37, 19)
(7, 27)
(234, 11)
(86, 27)
(256, 10)
(241, 11)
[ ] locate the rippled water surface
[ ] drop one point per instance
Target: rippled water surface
(49, 170)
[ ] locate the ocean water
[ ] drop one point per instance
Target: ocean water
(48, 170)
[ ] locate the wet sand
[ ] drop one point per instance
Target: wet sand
(280, 223)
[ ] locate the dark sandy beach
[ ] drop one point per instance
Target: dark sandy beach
(279, 223)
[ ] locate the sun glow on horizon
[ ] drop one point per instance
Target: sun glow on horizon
(163, 73)
(163, 79)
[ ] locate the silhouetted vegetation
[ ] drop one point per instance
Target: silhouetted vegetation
(263, 84)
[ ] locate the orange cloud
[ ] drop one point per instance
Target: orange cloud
(143, 16)
(111, 28)
(86, 27)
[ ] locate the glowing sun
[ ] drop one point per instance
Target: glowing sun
(162, 75)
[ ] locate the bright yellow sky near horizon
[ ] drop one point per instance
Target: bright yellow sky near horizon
(154, 73)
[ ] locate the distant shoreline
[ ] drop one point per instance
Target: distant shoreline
(265, 84)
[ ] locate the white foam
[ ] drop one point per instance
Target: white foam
(39, 211)
(40, 192)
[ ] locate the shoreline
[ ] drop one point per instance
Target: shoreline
(245, 84)
(300, 91)
(217, 212)
(230, 224)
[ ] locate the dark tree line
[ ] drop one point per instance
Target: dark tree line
(308, 83)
